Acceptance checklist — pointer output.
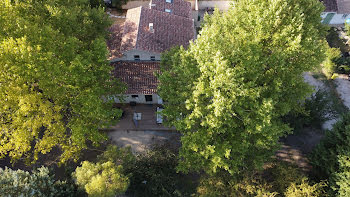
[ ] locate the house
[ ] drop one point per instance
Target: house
(149, 31)
(136, 46)
(140, 80)
(336, 12)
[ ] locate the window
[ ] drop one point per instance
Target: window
(136, 57)
(134, 96)
(168, 10)
(150, 26)
(148, 98)
(153, 58)
(199, 18)
(169, 1)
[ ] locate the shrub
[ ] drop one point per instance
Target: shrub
(313, 112)
(38, 183)
(101, 179)
(329, 64)
(222, 185)
(330, 159)
(279, 179)
(304, 189)
(119, 156)
(154, 174)
(340, 181)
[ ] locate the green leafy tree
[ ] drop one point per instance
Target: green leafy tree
(39, 183)
(101, 179)
(228, 90)
(53, 76)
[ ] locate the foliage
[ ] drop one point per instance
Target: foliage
(101, 179)
(329, 64)
(347, 28)
(228, 90)
(119, 156)
(330, 159)
(304, 189)
(53, 73)
(280, 179)
(334, 41)
(154, 174)
(224, 186)
(118, 3)
(313, 112)
(97, 3)
(38, 183)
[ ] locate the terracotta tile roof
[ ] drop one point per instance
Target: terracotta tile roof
(177, 7)
(115, 40)
(138, 76)
(169, 30)
(131, 29)
(331, 5)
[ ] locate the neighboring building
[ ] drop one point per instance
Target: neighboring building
(140, 81)
(336, 12)
(149, 31)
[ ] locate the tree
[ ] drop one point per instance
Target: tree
(228, 90)
(39, 183)
(101, 179)
(53, 75)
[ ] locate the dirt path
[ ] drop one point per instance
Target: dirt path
(139, 141)
(295, 147)
(319, 85)
(343, 89)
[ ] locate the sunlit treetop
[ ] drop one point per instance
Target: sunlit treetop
(53, 74)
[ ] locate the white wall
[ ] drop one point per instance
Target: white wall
(140, 99)
(144, 55)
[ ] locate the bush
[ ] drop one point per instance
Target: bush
(304, 189)
(101, 179)
(279, 179)
(283, 174)
(340, 181)
(223, 185)
(119, 156)
(329, 64)
(155, 174)
(313, 112)
(38, 183)
(330, 159)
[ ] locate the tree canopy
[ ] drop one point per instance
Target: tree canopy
(53, 75)
(228, 90)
